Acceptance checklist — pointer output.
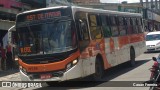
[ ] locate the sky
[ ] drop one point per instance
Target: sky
(118, 1)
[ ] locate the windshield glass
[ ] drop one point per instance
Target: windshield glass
(153, 37)
(46, 38)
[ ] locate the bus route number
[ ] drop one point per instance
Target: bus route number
(25, 50)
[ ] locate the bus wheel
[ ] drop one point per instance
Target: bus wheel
(99, 70)
(132, 57)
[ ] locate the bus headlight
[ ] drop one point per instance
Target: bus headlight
(23, 69)
(16, 59)
(74, 62)
(71, 64)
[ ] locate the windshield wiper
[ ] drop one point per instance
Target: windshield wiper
(31, 34)
(29, 29)
(56, 20)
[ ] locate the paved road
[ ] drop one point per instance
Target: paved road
(120, 73)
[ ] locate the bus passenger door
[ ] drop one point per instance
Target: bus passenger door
(84, 40)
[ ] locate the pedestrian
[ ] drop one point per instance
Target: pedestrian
(9, 59)
(0, 57)
(3, 59)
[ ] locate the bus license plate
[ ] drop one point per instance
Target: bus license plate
(46, 76)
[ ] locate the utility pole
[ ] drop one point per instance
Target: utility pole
(141, 2)
(151, 4)
(156, 4)
(152, 9)
(159, 4)
(147, 6)
(70, 1)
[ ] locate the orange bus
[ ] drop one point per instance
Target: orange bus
(68, 42)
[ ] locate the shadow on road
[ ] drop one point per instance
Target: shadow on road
(88, 82)
(150, 52)
(122, 69)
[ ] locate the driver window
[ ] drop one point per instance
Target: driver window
(81, 23)
(82, 30)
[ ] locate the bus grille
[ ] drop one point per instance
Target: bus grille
(48, 58)
(42, 60)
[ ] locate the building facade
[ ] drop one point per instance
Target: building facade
(35, 3)
(151, 15)
(85, 1)
(10, 8)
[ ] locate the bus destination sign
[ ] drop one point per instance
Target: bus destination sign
(41, 16)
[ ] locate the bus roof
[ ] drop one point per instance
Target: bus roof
(77, 8)
(105, 11)
(43, 9)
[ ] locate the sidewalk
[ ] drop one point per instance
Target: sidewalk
(10, 75)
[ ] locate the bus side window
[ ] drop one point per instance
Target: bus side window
(140, 29)
(83, 32)
(125, 24)
(128, 25)
(95, 26)
(122, 29)
(105, 26)
(134, 26)
(114, 27)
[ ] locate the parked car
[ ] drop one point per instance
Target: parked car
(153, 41)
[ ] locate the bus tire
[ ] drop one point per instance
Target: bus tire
(132, 57)
(99, 70)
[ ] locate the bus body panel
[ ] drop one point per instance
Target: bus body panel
(120, 52)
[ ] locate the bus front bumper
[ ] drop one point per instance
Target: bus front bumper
(72, 73)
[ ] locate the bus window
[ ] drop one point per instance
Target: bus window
(125, 24)
(106, 26)
(95, 26)
(114, 28)
(83, 33)
(122, 29)
(129, 26)
(134, 26)
(140, 30)
(81, 24)
(83, 30)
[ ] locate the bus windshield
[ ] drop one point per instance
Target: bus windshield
(47, 38)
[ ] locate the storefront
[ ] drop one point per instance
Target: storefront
(153, 21)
